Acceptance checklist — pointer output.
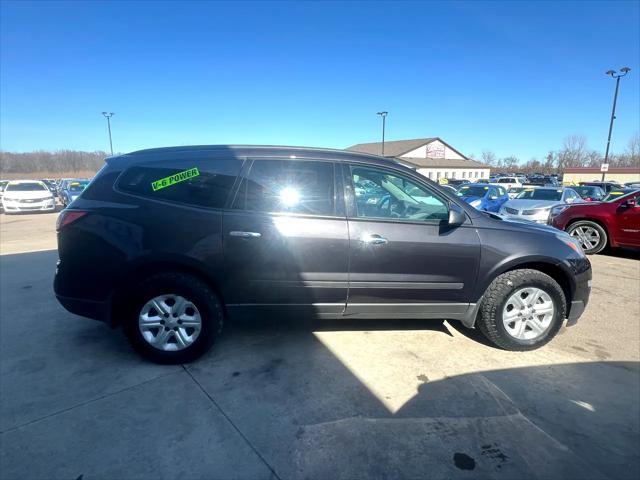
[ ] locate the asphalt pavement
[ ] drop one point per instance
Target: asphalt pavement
(302, 399)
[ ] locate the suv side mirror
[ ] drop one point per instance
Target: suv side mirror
(456, 215)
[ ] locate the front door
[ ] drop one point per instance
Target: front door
(628, 221)
(405, 260)
(285, 239)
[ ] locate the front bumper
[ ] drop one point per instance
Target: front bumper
(41, 206)
(580, 295)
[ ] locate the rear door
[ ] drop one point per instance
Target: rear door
(285, 237)
(405, 261)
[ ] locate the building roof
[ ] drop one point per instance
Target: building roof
(441, 162)
(398, 148)
(391, 149)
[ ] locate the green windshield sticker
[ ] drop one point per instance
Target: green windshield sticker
(173, 179)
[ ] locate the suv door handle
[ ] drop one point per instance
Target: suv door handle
(235, 233)
(373, 239)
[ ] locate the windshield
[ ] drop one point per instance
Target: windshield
(586, 191)
(472, 191)
(77, 186)
(540, 194)
(26, 187)
(616, 194)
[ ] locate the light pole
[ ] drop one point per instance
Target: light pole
(617, 76)
(384, 119)
(108, 117)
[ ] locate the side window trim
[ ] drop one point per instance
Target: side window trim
(352, 211)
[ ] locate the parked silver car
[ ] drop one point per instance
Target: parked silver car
(535, 204)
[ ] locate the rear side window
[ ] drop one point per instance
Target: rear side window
(288, 186)
(200, 183)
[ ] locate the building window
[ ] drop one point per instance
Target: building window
(430, 175)
(464, 174)
(438, 175)
(476, 174)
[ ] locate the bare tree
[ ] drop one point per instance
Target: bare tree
(489, 158)
(51, 162)
(573, 152)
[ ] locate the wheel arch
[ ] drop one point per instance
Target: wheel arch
(546, 266)
(123, 293)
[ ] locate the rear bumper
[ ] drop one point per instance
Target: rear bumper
(95, 310)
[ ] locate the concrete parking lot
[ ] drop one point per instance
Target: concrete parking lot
(302, 399)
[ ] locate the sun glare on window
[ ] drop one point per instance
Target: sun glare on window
(289, 196)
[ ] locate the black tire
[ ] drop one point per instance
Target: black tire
(190, 287)
(489, 319)
(602, 244)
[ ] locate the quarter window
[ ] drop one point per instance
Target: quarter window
(288, 186)
(385, 195)
(200, 183)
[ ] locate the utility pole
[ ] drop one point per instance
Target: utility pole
(617, 76)
(384, 118)
(108, 117)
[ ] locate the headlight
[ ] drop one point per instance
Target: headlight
(571, 242)
(476, 203)
(558, 209)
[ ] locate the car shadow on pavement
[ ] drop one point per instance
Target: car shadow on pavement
(630, 253)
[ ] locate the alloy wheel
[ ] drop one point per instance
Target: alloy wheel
(528, 313)
(588, 236)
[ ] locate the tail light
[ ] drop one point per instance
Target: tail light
(67, 217)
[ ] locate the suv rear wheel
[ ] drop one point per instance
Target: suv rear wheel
(591, 236)
(174, 318)
(522, 310)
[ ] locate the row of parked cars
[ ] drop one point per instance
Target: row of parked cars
(602, 214)
(39, 195)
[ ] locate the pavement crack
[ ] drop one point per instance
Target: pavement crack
(82, 404)
(235, 427)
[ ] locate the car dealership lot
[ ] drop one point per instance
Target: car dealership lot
(292, 398)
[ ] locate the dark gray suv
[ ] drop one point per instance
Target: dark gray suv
(170, 242)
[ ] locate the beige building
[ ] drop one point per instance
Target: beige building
(573, 176)
(432, 157)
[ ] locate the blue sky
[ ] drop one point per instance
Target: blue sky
(513, 77)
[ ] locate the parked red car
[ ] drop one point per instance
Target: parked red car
(614, 222)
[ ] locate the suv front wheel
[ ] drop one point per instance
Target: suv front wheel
(522, 310)
(174, 318)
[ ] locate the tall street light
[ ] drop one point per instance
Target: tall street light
(617, 76)
(108, 117)
(384, 119)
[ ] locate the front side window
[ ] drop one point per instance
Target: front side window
(200, 183)
(288, 186)
(395, 197)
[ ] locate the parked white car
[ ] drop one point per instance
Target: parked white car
(535, 204)
(509, 182)
(27, 196)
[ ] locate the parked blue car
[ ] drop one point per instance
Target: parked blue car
(484, 196)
